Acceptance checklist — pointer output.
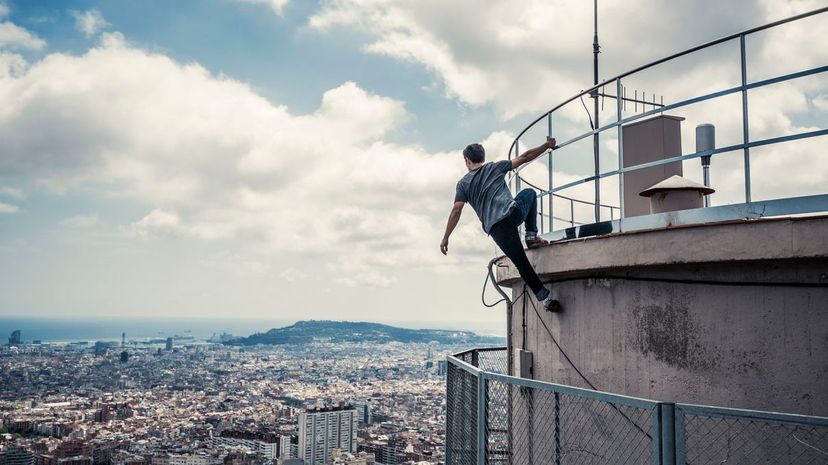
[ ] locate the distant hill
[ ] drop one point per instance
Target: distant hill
(351, 331)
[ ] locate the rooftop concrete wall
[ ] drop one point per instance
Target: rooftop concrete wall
(729, 314)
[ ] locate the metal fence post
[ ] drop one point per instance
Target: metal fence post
(517, 179)
(481, 419)
(681, 454)
(667, 412)
(655, 434)
(449, 413)
(557, 429)
(745, 125)
(549, 163)
(572, 213)
(597, 160)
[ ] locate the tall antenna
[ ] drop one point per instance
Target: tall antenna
(596, 49)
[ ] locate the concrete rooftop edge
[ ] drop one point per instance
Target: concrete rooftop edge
(730, 241)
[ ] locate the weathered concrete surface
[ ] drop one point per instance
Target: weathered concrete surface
(737, 241)
(728, 314)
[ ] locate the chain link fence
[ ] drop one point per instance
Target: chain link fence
(710, 435)
(497, 419)
(461, 416)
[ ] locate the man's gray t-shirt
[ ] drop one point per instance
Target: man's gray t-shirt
(485, 190)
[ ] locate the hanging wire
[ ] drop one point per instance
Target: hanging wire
(589, 115)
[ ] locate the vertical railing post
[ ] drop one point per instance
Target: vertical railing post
(528, 395)
(450, 393)
(517, 175)
(572, 213)
(681, 455)
(655, 434)
(557, 429)
(597, 181)
(517, 179)
(549, 163)
(745, 125)
(540, 209)
(481, 419)
(667, 413)
(620, 115)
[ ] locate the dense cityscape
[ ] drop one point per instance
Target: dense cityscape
(189, 402)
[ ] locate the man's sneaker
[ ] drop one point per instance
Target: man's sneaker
(535, 241)
(551, 305)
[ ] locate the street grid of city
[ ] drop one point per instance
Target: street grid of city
(202, 403)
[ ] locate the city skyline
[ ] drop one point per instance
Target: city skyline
(261, 159)
(203, 404)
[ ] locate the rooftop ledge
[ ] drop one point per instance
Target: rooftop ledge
(726, 241)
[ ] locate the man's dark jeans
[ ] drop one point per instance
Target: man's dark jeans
(506, 236)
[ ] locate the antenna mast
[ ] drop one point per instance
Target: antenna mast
(596, 49)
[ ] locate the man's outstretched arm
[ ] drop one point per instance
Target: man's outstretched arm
(454, 217)
(531, 154)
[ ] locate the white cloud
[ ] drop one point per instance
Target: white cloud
(291, 274)
(276, 5)
(11, 64)
(230, 261)
(212, 160)
(81, 221)
(8, 208)
(89, 22)
(821, 102)
(207, 160)
(14, 36)
(157, 222)
(526, 55)
(4, 10)
(12, 192)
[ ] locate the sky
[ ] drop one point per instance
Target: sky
(292, 159)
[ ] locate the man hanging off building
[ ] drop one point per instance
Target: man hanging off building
(484, 187)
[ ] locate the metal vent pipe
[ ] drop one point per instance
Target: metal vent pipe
(705, 140)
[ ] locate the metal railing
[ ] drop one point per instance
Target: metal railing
(748, 209)
(493, 418)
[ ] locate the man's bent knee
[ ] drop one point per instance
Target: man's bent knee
(528, 191)
(528, 194)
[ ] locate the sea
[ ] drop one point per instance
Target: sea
(86, 328)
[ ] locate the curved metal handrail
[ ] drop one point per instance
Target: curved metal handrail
(818, 204)
(572, 201)
(663, 60)
(563, 197)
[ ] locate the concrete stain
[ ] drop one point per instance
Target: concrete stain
(669, 333)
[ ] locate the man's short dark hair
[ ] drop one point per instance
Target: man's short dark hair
(474, 153)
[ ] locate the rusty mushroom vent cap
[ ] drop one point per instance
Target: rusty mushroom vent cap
(676, 183)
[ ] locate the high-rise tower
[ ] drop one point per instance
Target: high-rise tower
(321, 430)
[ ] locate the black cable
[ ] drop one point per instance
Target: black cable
(524, 332)
(589, 115)
(490, 276)
(569, 360)
(483, 294)
(551, 336)
(555, 341)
